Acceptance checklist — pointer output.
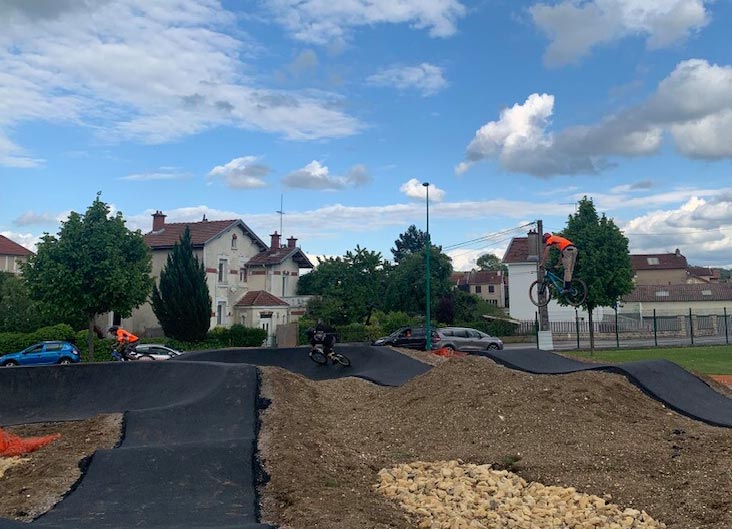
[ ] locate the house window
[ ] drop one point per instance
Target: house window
(493, 301)
(223, 269)
(491, 289)
(652, 260)
(243, 275)
(284, 285)
(221, 313)
(233, 242)
(477, 289)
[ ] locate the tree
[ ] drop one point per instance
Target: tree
(18, 312)
(407, 289)
(182, 303)
(95, 265)
(410, 242)
(349, 287)
(491, 262)
(603, 261)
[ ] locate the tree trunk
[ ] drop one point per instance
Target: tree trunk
(592, 330)
(90, 338)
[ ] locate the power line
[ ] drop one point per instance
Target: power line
(489, 237)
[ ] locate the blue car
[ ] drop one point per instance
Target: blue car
(43, 353)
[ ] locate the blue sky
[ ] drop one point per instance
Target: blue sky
(512, 111)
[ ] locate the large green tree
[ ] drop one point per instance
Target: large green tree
(407, 287)
(182, 303)
(410, 242)
(18, 312)
(95, 265)
(603, 261)
(349, 288)
(491, 262)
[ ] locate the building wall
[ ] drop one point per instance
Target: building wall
(660, 277)
(497, 297)
(11, 263)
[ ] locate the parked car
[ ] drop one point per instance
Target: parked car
(43, 353)
(466, 339)
(409, 337)
(153, 351)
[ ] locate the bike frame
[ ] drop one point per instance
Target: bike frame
(554, 279)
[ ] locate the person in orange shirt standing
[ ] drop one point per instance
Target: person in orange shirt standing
(568, 252)
(126, 341)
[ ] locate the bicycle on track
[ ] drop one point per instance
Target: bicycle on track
(319, 356)
(552, 286)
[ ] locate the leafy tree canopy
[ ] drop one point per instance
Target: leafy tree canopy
(491, 262)
(18, 312)
(407, 285)
(410, 242)
(95, 265)
(182, 303)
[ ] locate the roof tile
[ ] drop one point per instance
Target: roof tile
(260, 298)
(8, 247)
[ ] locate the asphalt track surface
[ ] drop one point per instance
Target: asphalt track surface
(188, 456)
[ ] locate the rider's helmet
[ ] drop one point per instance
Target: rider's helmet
(546, 236)
(113, 329)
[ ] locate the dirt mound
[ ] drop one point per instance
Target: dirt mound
(323, 443)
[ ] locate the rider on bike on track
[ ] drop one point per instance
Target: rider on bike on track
(322, 334)
(126, 341)
(568, 252)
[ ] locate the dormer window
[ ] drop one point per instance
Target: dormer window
(233, 241)
(652, 260)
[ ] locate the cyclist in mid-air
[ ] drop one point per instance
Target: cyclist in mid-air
(568, 252)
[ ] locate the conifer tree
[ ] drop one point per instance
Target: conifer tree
(182, 302)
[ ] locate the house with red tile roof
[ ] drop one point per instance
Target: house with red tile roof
(659, 268)
(11, 255)
(489, 285)
(250, 282)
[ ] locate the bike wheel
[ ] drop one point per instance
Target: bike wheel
(537, 288)
(317, 356)
(341, 359)
(577, 293)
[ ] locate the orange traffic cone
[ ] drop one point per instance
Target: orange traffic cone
(12, 445)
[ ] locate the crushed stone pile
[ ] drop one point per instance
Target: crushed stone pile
(456, 495)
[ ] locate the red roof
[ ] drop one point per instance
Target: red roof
(260, 298)
(685, 293)
(477, 277)
(658, 261)
(201, 233)
(8, 247)
(278, 255)
(517, 251)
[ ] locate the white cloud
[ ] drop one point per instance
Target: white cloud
(414, 188)
(30, 218)
(163, 173)
(317, 176)
(148, 71)
(693, 104)
(700, 227)
(323, 23)
(242, 173)
(425, 78)
(466, 259)
(12, 155)
(574, 27)
(27, 240)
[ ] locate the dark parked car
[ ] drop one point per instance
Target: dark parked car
(410, 337)
(153, 352)
(466, 339)
(43, 353)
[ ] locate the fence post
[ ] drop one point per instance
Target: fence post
(726, 333)
(655, 328)
(576, 325)
(617, 336)
(691, 327)
(536, 328)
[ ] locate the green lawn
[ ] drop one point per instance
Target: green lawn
(710, 360)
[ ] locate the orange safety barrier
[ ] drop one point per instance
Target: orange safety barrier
(13, 445)
(447, 352)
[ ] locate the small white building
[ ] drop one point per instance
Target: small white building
(250, 282)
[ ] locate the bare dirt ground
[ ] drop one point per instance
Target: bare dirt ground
(324, 443)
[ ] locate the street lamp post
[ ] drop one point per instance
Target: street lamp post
(428, 331)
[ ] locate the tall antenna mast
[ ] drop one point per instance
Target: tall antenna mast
(281, 211)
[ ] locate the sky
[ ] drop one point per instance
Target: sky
(323, 119)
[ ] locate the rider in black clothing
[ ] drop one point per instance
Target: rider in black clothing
(322, 334)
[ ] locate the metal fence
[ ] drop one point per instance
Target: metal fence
(634, 330)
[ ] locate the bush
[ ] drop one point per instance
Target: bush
(11, 342)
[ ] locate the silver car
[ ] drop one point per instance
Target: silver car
(466, 339)
(153, 352)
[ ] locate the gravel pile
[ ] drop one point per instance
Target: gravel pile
(455, 495)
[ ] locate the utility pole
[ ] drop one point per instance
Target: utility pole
(543, 310)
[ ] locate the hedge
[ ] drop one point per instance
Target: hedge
(11, 342)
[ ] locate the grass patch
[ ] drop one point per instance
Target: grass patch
(709, 360)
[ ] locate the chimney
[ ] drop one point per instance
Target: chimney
(291, 242)
(158, 221)
(275, 241)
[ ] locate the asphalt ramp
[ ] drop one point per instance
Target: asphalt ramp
(663, 380)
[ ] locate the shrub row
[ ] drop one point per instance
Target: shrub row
(11, 342)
